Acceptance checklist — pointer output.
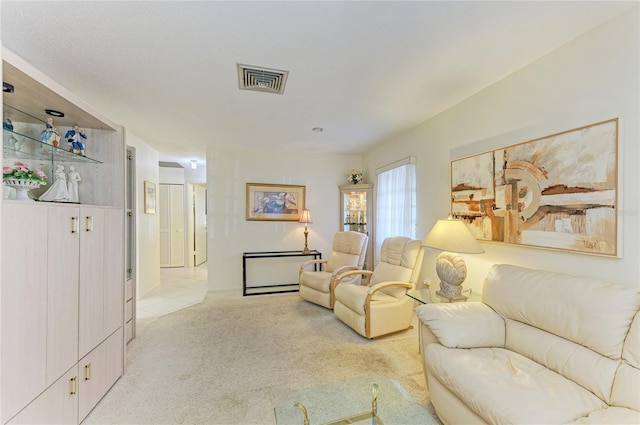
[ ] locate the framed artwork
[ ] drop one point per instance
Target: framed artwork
(558, 191)
(149, 197)
(274, 202)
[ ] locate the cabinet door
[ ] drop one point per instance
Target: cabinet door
(91, 301)
(99, 370)
(24, 305)
(57, 405)
(114, 275)
(63, 248)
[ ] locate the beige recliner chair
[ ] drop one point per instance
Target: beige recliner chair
(349, 250)
(382, 307)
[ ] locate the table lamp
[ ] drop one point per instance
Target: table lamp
(452, 237)
(305, 218)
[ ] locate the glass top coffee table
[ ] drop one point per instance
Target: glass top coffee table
(372, 400)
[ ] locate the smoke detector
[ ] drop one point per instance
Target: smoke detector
(266, 80)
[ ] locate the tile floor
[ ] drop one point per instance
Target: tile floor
(180, 287)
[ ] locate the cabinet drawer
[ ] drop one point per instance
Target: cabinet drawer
(128, 328)
(58, 404)
(98, 371)
(128, 289)
(128, 311)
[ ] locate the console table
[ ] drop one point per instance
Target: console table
(272, 288)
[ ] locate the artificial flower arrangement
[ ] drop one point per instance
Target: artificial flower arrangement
(354, 176)
(22, 172)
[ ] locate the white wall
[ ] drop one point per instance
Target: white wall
(171, 175)
(229, 234)
(593, 78)
(147, 225)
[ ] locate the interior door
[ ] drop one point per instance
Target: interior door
(165, 225)
(177, 225)
(172, 234)
(200, 224)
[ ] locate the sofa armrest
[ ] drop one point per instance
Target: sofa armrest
(463, 325)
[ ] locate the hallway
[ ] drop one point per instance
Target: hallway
(180, 287)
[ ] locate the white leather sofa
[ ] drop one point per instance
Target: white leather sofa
(541, 348)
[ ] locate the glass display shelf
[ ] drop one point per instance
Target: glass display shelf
(20, 146)
(21, 136)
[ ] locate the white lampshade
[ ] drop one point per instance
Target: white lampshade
(305, 217)
(453, 236)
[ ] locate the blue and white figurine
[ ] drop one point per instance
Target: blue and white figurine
(74, 140)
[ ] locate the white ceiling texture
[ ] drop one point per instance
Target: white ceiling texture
(363, 71)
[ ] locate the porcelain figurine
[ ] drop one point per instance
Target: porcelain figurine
(74, 140)
(58, 191)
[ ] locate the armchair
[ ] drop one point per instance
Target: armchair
(348, 253)
(382, 307)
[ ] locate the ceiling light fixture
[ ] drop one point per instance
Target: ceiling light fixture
(54, 113)
(7, 88)
(194, 164)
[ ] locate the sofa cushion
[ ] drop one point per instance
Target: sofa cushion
(316, 280)
(349, 242)
(564, 357)
(385, 272)
(601, 312)
(610, 416)
(504, 387)
(354, 296)
(339, 259)
(626, 385)
(463, 325)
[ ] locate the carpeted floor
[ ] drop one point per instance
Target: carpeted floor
(231, 359)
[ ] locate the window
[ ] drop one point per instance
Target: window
(395, 201)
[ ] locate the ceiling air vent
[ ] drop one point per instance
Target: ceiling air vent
(261, 79)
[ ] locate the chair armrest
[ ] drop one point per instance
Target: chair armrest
(388, 284)
(338, 278)
(345, 269)
(462, 325)
(311, 263)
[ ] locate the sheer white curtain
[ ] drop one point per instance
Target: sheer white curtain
(395, 202)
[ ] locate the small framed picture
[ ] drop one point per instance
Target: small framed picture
(149, 197)
(274, 202)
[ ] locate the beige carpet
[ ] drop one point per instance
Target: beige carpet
(231, 359)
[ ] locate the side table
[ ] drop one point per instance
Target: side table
(272, 288)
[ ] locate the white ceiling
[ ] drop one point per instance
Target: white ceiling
(364, 71)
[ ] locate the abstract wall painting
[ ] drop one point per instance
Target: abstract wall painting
(558, 191)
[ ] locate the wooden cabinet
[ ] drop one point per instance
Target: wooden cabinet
(63, 249)
(24, 307)
(98, 371)
(356, 214)
(58, 404)
(62, 278)
(72, 397)
(101, 292)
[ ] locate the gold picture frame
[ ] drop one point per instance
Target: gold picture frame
(149, 197)
(274, 202)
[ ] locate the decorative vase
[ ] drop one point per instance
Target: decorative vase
(22, 188)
